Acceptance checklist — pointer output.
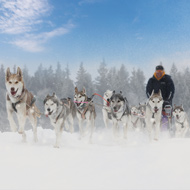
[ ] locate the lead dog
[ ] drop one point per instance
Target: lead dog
(153, 114)
(106, 110)
(59, 111)
(120, 112)
(181, 122)
(85, 111)
(20, 101)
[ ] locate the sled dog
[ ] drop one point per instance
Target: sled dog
(181, 122)
(154, 114)
(20, 101)
(106, 110)
(60, 112)
(135, 119)
(120, 112)
(85, 111)
(142, 110)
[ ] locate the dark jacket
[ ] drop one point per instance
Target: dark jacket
(165, 84)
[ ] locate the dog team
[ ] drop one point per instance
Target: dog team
(62, 112)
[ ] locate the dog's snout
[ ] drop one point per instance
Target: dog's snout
(12, 89)
(48, 109)
(156, 108)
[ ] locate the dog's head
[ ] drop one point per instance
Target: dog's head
(178, 111)
(14, 82)
(117, 102)
(51, 104)
(134, 110)
(107, 95)
(156, 101)
(80, 97)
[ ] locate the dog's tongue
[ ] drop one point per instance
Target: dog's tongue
(46, 115)
(13, 93)
(108, 104)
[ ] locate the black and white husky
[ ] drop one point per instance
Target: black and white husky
(181, 122)
(60, 112)
(85, 111)
(106, 110)
(154, 114)
(120, 113)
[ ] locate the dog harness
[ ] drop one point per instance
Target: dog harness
(20, 100)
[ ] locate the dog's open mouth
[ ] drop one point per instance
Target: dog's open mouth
(13, 92)
(50, 112)
(78, 104)
(156, 110)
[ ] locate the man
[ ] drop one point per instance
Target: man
(161, 81)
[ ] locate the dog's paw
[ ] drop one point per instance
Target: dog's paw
(56, 146)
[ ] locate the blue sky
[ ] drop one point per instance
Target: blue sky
(137, 33)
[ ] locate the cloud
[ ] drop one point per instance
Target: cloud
(21, 16)
(82, 2)
(35, 43)
(20, 19)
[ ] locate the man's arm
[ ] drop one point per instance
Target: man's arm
(171, 89)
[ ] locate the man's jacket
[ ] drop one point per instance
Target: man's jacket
(165, 84)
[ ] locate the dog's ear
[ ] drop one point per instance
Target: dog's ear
(174, 106)
(8, 73)
(54, 95)
(84, 90)
(114, 92)
(182, 106)
(19, 72)
(160, 93)
(152, 93)
(76, 90)
(120, 92)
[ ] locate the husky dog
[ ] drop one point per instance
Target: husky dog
(154, 114)
(181, 122)
(85, 111)
(142, 110)
(120, 112)
(20, 101)
(59, 111)
(106, 110)
(135, 120)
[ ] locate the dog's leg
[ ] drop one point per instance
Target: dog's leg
(105, 117)
(92, 129)
(21, 121)
(149, 129)
(71, 123)
(125, 130)
(33, 120)
(81, 127)
(10, 117)
(58, 132)
(157, 131)
(115, 128)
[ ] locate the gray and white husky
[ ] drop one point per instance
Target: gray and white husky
(120, 113)
(154, 114)
(106, 110)
(135, 119)
(21, 102)
(181, 122)
(60, 112)
(85, 111)
(142, 111)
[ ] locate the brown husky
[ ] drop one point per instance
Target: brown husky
(20, 101)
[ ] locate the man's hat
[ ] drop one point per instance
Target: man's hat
(159, 67)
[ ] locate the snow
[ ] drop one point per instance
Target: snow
(106, 164)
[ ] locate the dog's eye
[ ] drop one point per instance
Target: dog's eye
(52, 104)
(79, 96)
(158, 101)
(153, 101)
(10, 82)
(16, 82)
(112, 101)
(118, 101)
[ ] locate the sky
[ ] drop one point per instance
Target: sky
(136, 33)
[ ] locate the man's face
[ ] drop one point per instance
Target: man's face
(159, 73)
